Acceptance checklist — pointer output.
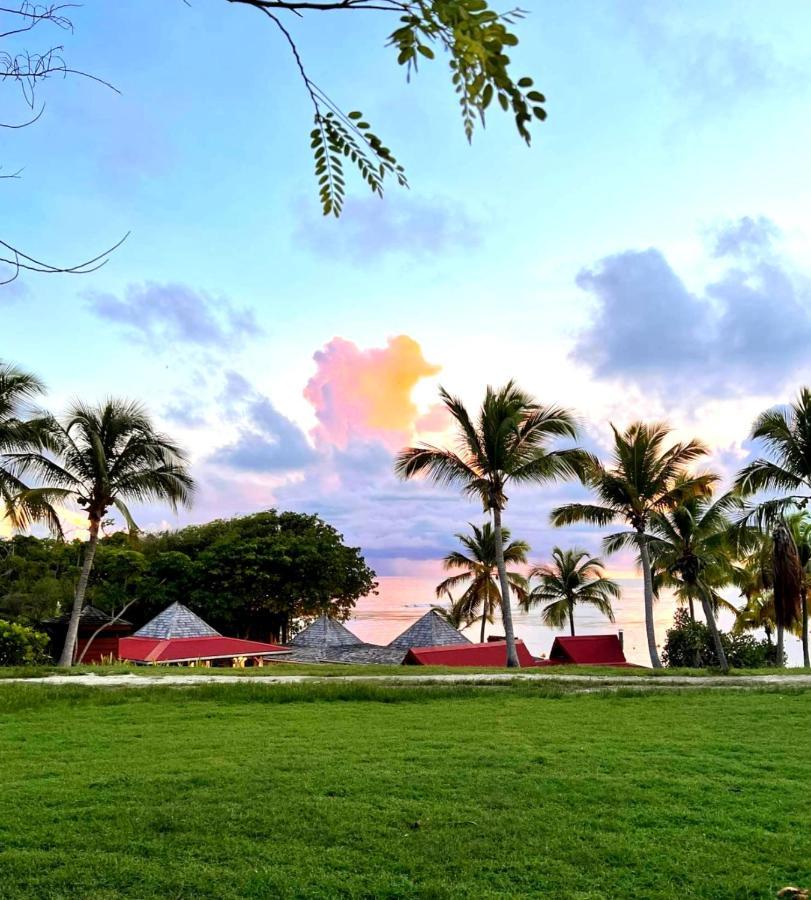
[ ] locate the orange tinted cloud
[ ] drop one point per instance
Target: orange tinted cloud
(362, 394)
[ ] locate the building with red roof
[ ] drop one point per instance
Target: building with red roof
(493, 653)
(587, 650)
(178, 636)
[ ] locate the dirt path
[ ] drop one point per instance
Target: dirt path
(585, 682)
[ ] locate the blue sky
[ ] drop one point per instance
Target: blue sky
(647, 256)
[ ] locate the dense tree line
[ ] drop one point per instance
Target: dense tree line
(250, 576)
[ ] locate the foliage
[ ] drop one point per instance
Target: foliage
(508, 443)
(479, 575)
(397, 792)
(689, 644)
(21, 646)
(474, 37)
(645, 477)
(573, 578)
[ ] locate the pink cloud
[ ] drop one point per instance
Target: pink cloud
(366, 394)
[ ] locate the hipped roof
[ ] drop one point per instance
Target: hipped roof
(176, 621)
(429, 631)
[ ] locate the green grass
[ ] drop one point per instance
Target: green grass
(334, 669)
(370, 790)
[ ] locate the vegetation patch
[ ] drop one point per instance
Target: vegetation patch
(359, 790)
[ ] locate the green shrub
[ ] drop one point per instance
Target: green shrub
(21, 646)
(688, 644)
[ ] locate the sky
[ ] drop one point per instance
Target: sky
(646, 257)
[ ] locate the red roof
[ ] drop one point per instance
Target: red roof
(155, 650)
(588, 650)
(493, 653)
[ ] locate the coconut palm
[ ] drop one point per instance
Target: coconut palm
(101, 457)
(784, 471)
(643, 478)
(692, 547)
(799, 524)
(508, 442)
(574, 577)
(479, 573)
(21, 429)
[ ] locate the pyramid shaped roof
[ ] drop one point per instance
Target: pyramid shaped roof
(325, 632)
(176, 621)
(429, 631)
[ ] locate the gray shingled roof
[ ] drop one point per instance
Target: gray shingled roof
(429, 631)
(325, 632)
(354, 654)
(176, 621)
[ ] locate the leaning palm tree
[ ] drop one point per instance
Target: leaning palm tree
(103, 457)
(784, 471)
(508, 442)
(692, 546)
(21, 430)
(479, 573)
(643, 478)
(573, 578)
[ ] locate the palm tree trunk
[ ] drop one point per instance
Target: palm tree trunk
(484, 624)
(66, 659)
(804, 601)
(780, 643)
(571, 617)
(709, 615)
(692, 609)
(506, 611)
(648, 593)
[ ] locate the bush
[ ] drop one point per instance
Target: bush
(689, 644)
(21, 646)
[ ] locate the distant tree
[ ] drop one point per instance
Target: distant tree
(103, 457)
(799, 525)
(691, 545)
(644, 478)
(479, 574)
(474, 37)
(509, 442)
(784, 471)
(255, 575)
(573, 578)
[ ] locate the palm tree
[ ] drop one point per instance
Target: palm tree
(509, 442)
(785, 469)
(103, 457)
(799, 525)
(691, 546)
(574, 577)
(642, 479)
(20, 431)
(480, 573)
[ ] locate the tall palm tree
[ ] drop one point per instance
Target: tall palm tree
(691, 545)
(508, 442)
(479, 572)
(799, 524)
(573, 577)
(644, 477)
(103, 456)
(785, 470)
(21, 429)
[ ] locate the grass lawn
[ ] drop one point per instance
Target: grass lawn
(366, 790)
(328, 670)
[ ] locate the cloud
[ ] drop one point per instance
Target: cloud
(13, 290)
(171, 313)
(747, 330)
(268, 442)
(372, 228)
(744, 237)
(712, 68)
(358, 394)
